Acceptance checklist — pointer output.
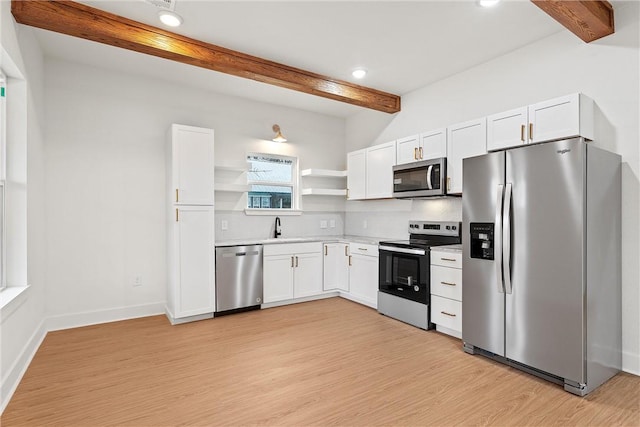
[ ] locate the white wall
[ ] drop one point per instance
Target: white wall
(105, 189)
(21, 322)
(606, 70)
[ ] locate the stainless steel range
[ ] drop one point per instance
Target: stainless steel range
(404, 280)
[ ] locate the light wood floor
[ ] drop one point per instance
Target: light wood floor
(329, 362)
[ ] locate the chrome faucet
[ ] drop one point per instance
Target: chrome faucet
(277, 232)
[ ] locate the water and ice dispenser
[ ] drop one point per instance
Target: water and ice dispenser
(481, 239)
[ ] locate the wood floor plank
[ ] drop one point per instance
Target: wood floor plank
(327, 362)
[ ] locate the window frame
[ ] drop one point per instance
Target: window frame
(293, 184)
(3, 178)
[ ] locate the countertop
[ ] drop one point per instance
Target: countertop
(448, 248)
(323, 239)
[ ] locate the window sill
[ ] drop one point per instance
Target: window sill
(11, 297)
(273, 212)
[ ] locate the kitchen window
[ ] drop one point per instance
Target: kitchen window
(272, 181)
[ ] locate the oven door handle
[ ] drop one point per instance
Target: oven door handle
(402, 250)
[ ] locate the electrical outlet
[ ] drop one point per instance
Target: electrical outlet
(224, 224)
(323, 223)
(137, 281)
(332, 223)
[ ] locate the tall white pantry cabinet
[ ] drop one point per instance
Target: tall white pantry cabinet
(190, 224)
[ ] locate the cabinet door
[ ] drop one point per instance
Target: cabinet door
(363, 278)
(508, 129)
(195, 259)
(380, 161)
(278, 277)
(193, 165)
(408, 149)
(307, 275)
(356, 174)
(464, 140)
(433, 144)
(555, 119)
(336, 267)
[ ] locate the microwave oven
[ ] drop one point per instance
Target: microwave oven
(425, 178)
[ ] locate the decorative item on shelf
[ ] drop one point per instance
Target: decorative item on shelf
(279, 137)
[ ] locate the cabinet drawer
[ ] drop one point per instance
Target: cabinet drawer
(446, 259)
(446, 312)
(446, 282)
(292, 248)
(363, 249)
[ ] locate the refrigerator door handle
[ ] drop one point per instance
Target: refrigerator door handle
(498, 238)
(429, 171)
(506, 239)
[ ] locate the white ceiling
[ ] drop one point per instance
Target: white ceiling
(404, 45)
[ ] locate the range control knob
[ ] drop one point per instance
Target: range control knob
(416, 288)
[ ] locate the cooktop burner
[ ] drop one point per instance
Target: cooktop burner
(424, 234)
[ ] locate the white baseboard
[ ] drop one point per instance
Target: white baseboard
(11, 379)
(631, 363)
(76, 320)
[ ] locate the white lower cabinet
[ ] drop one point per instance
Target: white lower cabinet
(191, 261)
(446, 291)
(363, 273)
(291, 271)
(336, 267)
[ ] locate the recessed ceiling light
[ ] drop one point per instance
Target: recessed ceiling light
(170, 18)
(359, 73)
(488, 3)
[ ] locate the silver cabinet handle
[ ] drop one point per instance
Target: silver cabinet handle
(362, 249)
(349, 260)
(291, 262)
(346, 249)
(448, 259)
(326, 248)
(448, 314)
(296, 261)
(506, 240)
(448, 284)
(497, 254)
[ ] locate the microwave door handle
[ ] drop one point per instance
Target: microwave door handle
(506, 239)
(498, 238)
(429, 170)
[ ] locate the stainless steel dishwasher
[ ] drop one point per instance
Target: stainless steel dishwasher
(238, 278)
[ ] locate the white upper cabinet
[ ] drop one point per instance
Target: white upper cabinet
(424, 146)
(356, 174)
(380, 161)
(192, 169)
(433, 144)
(464, 140)
(508, 129)
(370, 172)
(564, 117)
(408, 149)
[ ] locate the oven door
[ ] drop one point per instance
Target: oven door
(404, 273)
(420, 179)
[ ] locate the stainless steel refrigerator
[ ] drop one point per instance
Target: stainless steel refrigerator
(541, 261)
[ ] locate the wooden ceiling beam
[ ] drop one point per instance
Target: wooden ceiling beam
(587, 19)
(79, 20)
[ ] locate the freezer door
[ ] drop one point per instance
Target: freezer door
(545, 309)
(482, 290)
